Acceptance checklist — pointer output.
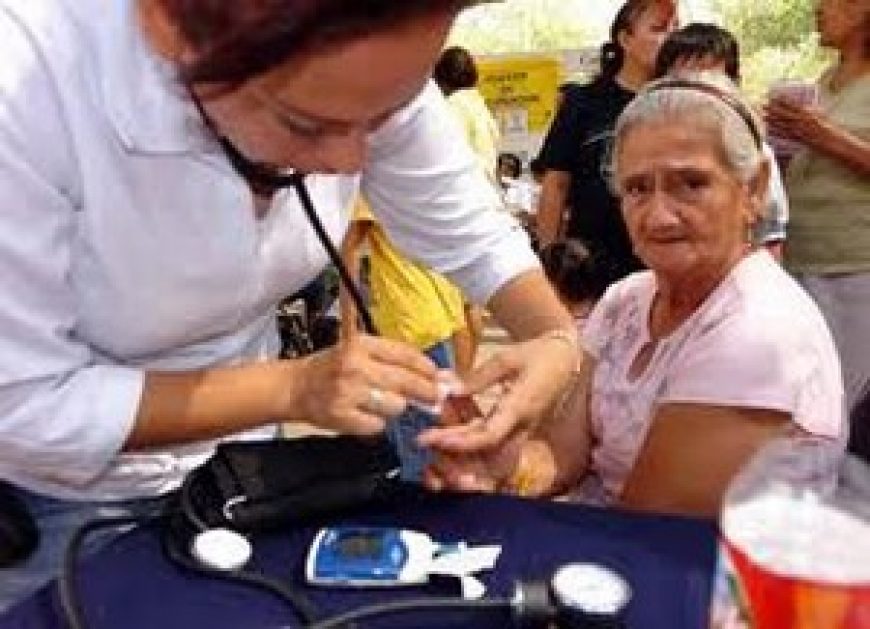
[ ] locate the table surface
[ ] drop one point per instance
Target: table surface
(668, 562)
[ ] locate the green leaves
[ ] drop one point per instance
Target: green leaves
(768, 24)
(777, 37)
(525, 26)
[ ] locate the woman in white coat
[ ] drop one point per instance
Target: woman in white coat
(145, 242)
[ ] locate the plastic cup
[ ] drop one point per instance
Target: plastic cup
(802, 93)
(797, 537)
(799, 92)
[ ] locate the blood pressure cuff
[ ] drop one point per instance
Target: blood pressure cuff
(261, 485)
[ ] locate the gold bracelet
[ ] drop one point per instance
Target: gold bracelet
(529, 475)
(571, 337)
(523, 480)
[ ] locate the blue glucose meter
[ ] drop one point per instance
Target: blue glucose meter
(369, 556)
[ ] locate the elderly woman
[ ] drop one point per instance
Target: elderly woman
(689, 367)
(146, 236)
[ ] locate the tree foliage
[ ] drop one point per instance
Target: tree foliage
(777, 38)
(768, 23)
(523, 26)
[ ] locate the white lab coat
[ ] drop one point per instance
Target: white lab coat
(127, 243)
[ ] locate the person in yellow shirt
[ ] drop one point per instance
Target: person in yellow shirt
(409, 303)
(457, 77)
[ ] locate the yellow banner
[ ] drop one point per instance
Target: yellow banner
(521, 90)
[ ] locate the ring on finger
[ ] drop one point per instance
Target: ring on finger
(376, 400)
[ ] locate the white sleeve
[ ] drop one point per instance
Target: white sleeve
(758, 361)
(425, 185)
(63, 416)
(774, 224)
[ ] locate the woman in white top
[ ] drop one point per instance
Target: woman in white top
(142, 265)
(691, 366)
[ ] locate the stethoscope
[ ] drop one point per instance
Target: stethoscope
(265, 180)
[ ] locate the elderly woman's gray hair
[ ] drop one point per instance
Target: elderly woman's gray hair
(705, 98)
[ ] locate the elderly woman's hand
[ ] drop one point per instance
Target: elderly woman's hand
(786, 118)
(533, 374)
(518, 466)
(356, 386)
(484, 472)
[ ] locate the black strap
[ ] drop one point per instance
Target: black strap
(728, 99)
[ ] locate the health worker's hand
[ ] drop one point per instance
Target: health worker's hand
(533, 374)
(355, 386)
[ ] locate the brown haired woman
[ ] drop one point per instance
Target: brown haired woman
(577, 146)
(146, 237)
(828, 184)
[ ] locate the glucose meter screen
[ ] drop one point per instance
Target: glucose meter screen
(361, 546)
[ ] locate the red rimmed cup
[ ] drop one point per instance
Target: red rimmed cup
(781, 601)
(798, 546)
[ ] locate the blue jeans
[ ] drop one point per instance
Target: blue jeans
(402, 431)
(56, 521)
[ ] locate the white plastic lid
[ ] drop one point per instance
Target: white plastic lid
(221, 549)
(591, 588)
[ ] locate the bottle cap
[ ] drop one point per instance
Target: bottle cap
(221, 549)
(591, 589)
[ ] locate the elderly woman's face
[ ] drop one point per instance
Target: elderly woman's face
(314, 113)
(686, 212)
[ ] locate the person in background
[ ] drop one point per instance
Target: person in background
(409, 303)
(828, 184)
(149, 227)
(520, 192)
(707, 47)
(538, 171)
(576, 148)
(562, 93)
(456, 74)
(579, 274)
(859, 417)
(509, 166)
(692, 366)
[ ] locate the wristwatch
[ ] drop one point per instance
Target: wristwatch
(589, 596)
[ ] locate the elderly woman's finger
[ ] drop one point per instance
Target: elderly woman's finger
(475, 472)
(432, 479)
(475, 437)
(437, 436)
(461, 473)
